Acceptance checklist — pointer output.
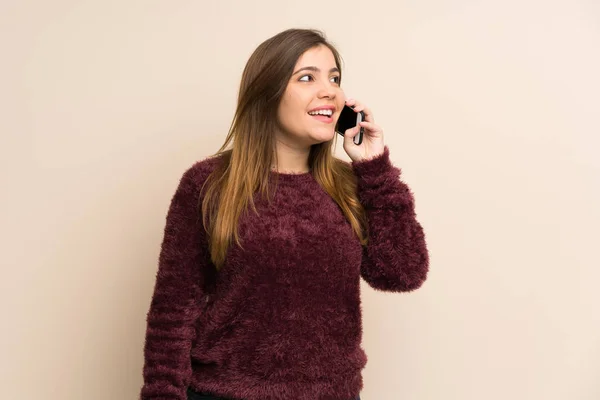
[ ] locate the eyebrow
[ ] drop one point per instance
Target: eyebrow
(315, 69)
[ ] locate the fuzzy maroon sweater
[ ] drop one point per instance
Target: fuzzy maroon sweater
(282, 319)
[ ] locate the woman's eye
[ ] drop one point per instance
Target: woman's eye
(308, 78)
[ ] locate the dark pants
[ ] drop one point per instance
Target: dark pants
(191, 395)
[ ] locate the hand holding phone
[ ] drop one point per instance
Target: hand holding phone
(349, 119)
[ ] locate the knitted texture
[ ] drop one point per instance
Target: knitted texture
(282, 319)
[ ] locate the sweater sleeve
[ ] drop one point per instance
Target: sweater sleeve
(396, 258)
(174, 305)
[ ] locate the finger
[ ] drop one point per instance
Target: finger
(351, 132)
(370, 126)
(355, 105)
(358, 107)
(349, 136)
(368, 114)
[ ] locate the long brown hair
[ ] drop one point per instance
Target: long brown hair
(246, 166)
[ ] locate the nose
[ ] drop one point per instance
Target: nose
(326, 91)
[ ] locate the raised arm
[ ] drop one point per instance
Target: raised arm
(396, 258)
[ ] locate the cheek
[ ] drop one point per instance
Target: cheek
(341, 98)
(290, 113)
(292, 103)
(286, 108)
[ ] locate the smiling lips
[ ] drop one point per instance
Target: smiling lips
(323, 114)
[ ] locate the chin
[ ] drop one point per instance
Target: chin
(323, 135)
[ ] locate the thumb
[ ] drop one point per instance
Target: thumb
(350, 134)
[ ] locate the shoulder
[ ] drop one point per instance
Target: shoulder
(200, 170)
(195, 175)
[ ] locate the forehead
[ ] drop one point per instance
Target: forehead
(319, 56)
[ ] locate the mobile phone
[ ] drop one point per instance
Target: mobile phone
(349, 119)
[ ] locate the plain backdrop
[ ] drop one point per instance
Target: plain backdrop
(490, 108)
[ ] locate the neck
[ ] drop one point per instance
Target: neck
(291, 158)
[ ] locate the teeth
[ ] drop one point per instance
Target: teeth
(322, 112)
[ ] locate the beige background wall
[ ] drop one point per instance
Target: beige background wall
(490, 107)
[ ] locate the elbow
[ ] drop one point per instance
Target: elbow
(411, 284)
(416, 268)
(404, 283)
(417, 274)
(407, 276)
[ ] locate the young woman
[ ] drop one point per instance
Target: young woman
(257, 295)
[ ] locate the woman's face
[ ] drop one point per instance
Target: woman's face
(313, 86)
